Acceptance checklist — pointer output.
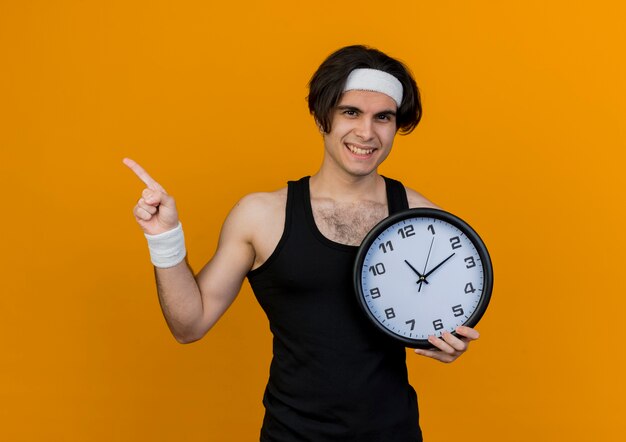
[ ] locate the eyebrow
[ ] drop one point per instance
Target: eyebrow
(356, 109)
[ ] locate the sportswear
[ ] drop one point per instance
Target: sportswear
(333, 376)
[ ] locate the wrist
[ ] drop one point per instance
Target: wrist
(167, 249)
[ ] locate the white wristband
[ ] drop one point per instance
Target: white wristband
(168, 248)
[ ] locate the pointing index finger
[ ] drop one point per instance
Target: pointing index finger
(143, 175)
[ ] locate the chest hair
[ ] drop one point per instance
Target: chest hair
(346, 223)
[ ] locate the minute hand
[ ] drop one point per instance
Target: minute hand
(438, 265)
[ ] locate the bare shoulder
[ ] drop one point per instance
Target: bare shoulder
(256, 209)
(263, 201)
(416, 199)
(258, 219)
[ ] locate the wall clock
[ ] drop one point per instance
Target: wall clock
(421, 272)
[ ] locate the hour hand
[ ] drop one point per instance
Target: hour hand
(422, 278)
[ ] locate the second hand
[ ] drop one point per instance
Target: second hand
(426, 265)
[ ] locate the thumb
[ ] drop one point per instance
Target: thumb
(155, 197)
(167, 212)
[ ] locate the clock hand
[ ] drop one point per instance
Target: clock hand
(438, 265)
(426, 264)
(422, 278)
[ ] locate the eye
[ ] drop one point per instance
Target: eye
(384, 117)
(350, 112)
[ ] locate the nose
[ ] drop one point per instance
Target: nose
(364, 129)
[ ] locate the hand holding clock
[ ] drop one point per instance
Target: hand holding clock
(449, 347)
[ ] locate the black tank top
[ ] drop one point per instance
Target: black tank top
(334, 376)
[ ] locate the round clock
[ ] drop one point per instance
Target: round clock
(421, 272)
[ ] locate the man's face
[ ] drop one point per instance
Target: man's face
(362, 132)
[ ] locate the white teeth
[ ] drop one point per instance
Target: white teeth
(358, 150)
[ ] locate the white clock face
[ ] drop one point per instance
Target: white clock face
(422, 276)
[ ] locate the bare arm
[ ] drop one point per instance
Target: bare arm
(192, 304)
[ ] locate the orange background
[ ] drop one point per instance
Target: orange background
(523, 136)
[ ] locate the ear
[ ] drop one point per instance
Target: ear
(319, 126)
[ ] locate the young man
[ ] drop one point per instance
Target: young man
(333, 375)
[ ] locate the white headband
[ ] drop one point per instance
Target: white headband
(375, 81)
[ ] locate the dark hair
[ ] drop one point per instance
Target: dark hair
(327, 84)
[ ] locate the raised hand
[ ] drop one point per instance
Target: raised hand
(155, 212)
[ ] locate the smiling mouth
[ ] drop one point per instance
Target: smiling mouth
(360, 150)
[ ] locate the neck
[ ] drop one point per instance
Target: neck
(347, 188)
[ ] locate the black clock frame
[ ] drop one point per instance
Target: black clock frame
(442, 215)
